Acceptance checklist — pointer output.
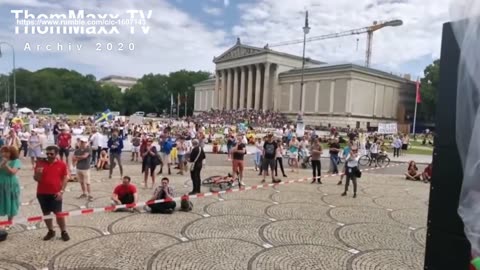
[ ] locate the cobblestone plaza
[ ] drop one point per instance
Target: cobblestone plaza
(295, 226)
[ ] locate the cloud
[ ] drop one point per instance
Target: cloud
(280, 20)
(226, 3)
(212, 11)
(27, 3)
(174, 42)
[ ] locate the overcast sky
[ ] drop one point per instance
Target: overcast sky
(187, 34)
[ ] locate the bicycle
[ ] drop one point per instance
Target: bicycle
(220, 182)
(382, 160)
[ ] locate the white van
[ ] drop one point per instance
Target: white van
(139, 114)
(44, 111)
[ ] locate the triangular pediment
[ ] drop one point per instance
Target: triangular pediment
(238, 51)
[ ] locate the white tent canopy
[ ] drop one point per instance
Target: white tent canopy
(25, 110)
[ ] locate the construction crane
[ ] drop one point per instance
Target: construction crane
(369, 30)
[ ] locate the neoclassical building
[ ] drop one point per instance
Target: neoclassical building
(122, 82)
(249, 77)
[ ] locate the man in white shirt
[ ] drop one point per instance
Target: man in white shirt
(33, 122)
(24, 136)
(94, 140)
(374, 149)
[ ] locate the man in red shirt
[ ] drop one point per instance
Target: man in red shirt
(52, 177)
(125, 193)
(64, 141)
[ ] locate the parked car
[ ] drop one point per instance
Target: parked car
(44, 111)
(115, 113)
(151, 115)
(139, 113)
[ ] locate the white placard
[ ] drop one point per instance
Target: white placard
(136, 120)
(387, 128)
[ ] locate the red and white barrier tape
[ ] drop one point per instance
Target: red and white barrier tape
(177, 199)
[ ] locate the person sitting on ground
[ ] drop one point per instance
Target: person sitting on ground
(125, 193)
(103, 161)
(164, 191)
(427, 173)
(412, 172)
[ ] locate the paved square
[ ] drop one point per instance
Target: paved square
(294, 226)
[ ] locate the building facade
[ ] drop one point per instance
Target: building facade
(121, 82)
(339, 95)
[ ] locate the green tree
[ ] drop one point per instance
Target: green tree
(181, 83)
(68, 91)
(428, 91)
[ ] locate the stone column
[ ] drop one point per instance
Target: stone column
(242, 88)
(266, 87)
(229, 90)
(235, 89)
(250, 87)
(257, 87)
(276, 88)
(216, 93)
(224, 89)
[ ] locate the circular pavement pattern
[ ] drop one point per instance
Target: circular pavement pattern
(260, 194)
(338, 200)
(167, 224)
(199, 204)
(40, 254)
(385, 190)
(304, 186)
(295, 257)
(121, 251)
(313, 232)
(99, 221)
(420, 236)
(235, 227)
(298, 196)
(298, 211)
(414, 217)
(207, 254)
(238, 207)
(358, 214)
(398, 202)
(11, 265)
(370, 236)
(388, 260)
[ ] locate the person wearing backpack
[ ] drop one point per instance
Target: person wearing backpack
(166, 146)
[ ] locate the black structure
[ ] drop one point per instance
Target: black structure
(447, 247)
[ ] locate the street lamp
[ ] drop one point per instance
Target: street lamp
(394, 23)
(300, 124)
(13, 71)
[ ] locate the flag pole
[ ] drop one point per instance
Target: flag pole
(416, 105)
(178, 105)
(415, 118)
(186, 102)
(171, 105)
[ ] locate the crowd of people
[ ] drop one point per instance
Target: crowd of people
(84, 144)
(254, 118)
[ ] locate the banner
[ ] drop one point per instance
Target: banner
(105, 116)
(135, 120)
(418, 98)
(387, 128)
